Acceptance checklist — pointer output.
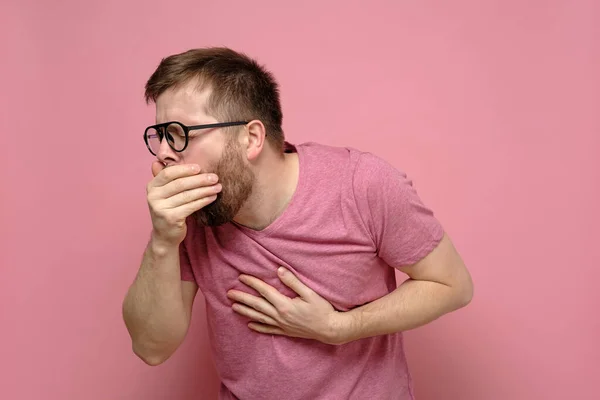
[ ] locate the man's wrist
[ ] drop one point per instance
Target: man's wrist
(343, 327)
(161, 247)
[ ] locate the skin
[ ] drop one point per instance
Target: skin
(157, 308)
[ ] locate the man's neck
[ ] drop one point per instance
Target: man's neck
(274, 187)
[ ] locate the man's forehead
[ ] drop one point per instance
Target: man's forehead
(185, 103)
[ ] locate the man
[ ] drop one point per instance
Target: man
(293, 247)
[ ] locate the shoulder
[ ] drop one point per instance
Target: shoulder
(374, 174)
(323, 152)
(337, 157)
(369, 165)
(367, 161)
(365, 169)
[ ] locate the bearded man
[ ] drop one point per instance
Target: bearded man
(294, 247)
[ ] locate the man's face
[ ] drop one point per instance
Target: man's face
(214, 150)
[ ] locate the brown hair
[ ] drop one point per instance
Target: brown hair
(241, 88)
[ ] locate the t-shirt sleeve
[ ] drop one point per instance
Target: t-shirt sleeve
(187, 273)
(403, 229)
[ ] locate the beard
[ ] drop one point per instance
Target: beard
(237, 181)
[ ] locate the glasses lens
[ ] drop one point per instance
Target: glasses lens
(176, 136)
(153, 139)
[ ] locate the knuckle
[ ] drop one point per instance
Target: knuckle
(152, 206)
(170, 219)
(259, 307)
(284, 311)
(187, 196)
(153, 201)
(168, 173)
(180, 185)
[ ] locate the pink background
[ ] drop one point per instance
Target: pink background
(491, 106)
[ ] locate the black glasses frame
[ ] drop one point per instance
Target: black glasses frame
(161, 129)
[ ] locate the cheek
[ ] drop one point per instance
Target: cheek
(202, 156)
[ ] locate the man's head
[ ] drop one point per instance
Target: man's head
(212, 85)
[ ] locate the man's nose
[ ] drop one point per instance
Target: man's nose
(166, 154)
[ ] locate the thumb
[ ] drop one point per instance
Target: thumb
(157, 166)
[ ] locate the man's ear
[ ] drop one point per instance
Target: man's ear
(254, 139)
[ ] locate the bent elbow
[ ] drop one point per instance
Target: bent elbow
(466, 298)
(466, 294)
(151, 358)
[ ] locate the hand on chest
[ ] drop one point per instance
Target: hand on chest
(346, 274)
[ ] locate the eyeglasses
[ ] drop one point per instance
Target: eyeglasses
(177, 134)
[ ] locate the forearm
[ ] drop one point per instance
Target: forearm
(153, 309)
(411, 305)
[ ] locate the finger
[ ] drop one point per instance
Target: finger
(271, 294)
(191, 195)
(182, 184)
(254, 315)
(268, 329)
(188, 209)
(291, 281)
(169, 174)
(157, 166)
(258, 303)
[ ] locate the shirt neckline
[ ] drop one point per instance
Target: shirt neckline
(292, 204)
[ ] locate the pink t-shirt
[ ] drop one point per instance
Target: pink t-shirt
(352, 219)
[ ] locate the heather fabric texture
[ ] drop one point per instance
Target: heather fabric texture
(352, 219)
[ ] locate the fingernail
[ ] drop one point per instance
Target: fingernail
(195, 168)
(281, 270)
